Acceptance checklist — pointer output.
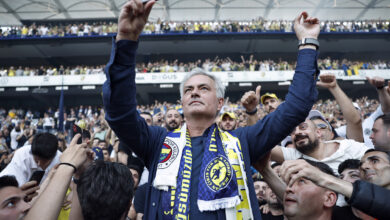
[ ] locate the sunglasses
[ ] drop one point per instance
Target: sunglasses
(322, 126)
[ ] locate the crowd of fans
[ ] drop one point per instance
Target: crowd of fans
(25, 122)
(19, 128)
(300, 158)
(51, 71)
(103, 28)
(211, 65)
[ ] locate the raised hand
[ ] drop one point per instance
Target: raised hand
(376, 81)
(293, 170)
(250, 99)
(132, 19)
(306, 27)
(30, 190)
(327, 80)
(263, 162)
(75, 154)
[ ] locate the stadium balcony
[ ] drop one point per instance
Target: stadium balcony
(92, 50)
(44, 91)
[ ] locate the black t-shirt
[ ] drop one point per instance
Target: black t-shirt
(269, 216)
(343, 213)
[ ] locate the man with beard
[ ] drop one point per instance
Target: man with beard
(306, 138)
(228, 121)
(324, 126)
(270, 102)
(181, 163)
(260, 187)
(173, 119)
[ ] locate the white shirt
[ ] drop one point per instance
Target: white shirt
(22, 165)
(74, 29)
(44, 30)
(3, 72)
(144, 177)
(48, 121)
(348, 149)
(87, 29)
(14, 134)
(367, 126)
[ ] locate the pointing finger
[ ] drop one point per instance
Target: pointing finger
(148, 8)
(258, 89)
(304, 15)
(298, 19)
(75, 139)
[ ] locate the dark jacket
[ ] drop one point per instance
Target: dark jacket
(119, 97)
(371, 199)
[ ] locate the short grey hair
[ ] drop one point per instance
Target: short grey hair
(219, 86)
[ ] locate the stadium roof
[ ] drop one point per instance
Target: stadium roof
(12, 12)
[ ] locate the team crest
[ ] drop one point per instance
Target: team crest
(218, 173)
(168, 154)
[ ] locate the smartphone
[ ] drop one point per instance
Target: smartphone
(77, 130)
(37, 176)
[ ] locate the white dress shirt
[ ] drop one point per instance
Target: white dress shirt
(22, 165)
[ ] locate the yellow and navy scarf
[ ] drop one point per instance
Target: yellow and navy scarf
(222, 179)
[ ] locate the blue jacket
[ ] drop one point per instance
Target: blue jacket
(119, 97)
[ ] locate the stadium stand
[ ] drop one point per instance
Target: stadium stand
(53, 57)
(108, 28)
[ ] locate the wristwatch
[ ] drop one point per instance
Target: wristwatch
(309, 41)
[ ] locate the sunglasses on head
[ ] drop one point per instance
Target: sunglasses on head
(322, 126)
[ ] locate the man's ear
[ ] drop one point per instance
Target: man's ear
(221, 101)
(330, 199)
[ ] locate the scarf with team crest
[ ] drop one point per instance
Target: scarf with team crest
(222, 179)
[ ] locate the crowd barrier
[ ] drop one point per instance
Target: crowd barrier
(161, 78)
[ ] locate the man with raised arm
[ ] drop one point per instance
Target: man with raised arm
(200, 171)
(383, 91)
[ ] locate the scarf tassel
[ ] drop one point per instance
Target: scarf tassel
(217, 204)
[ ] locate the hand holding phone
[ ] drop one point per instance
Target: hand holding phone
(77, 130)
(31, 187)
(37, 176)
